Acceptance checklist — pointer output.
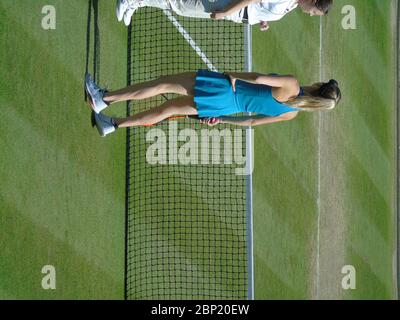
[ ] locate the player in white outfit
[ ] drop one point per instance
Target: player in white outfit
(239, 11)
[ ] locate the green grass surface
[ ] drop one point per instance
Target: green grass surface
(285, 182)
(356, 157)
(62, 187)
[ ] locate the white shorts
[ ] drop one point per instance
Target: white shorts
(194, 8)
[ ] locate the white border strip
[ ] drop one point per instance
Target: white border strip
(397, 215)
(319, 166)
(249, 178)
(189, 40)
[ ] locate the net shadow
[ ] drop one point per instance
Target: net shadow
(94, 48)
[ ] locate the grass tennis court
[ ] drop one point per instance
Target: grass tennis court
(324, 186)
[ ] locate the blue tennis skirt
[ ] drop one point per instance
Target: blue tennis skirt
(214, 96)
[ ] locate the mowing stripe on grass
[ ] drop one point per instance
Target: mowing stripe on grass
(286, 259)
(24, 134)
(288, 167)
(5, 295)
(43, 38)
(363, 134)
(190, 40)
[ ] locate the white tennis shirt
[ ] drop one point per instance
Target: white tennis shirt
(268, 10)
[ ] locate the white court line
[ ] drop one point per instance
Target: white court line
(319, 163)
(190, 40)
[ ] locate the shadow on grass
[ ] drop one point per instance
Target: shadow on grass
(93, 10)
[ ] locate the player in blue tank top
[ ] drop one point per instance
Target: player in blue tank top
(215, 98)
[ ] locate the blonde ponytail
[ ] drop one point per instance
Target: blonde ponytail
(311, 103)
(326, 97)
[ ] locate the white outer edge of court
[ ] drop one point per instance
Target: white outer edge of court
(321, 71)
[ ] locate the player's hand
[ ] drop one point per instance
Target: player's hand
(218, 15)
(210, 121)
(264, 26)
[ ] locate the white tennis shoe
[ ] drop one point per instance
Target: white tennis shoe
(122, 6)
(133, 6)
(96, 94)
(105, 125)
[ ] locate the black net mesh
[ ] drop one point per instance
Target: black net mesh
(186, 223)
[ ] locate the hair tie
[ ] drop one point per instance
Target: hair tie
(333, 82)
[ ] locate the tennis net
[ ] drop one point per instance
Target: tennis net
(186, 205)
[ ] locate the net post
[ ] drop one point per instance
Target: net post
(249, 177)
(397, 203)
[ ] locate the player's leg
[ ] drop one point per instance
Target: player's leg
(198, 8)
(182, 106)
(179, 84)
(126, 8)
(190, 8)
(160, 4)
(179, 106)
